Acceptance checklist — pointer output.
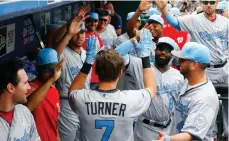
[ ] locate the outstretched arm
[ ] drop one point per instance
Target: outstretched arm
(143, 51)
(178, 137)
(38, 95)
(65, 33)
(80, 79)
(131, 24)
(162, 5)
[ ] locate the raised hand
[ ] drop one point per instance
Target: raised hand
(83, 11)
(144, 5)
(91, 43)
(146, 43)
(161, 4)
(57, 70)
(75, 26)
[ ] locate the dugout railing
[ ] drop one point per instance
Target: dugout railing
(222, 118)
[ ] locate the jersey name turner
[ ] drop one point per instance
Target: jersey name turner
(106, 108)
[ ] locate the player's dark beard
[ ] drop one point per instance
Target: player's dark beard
(161, 62)
(185, 72)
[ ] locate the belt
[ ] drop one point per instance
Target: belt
(146, 121)
(217, 66)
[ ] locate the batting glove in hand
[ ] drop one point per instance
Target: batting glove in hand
(91, 49)
(146, 43)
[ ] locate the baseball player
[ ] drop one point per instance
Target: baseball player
(223, 8)
(43, 97)
(108, 113)
(197, 103)
(209, 29)
(156, 28)
(75, 56)
(160, 115)
(16, 121)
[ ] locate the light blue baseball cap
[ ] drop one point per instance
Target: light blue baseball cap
(93, 16)
(156, 18)
(169, 41)
(46, 59)
(195, 52)
(175, 11)
(223, 5)
(130, 15)
(152, 11)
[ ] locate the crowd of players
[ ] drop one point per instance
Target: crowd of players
(98, 84)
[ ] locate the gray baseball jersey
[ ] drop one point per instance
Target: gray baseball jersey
(196, 110)
(68, 120)
(23, 126)
(108, 115)
(108, 37)
(133, 75)
(214, 35)
(162, 107)
(74, 63)
(218, 75)
(121, 39)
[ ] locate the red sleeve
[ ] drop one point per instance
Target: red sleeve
(100, 41)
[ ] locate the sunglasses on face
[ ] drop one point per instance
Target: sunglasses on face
(207, 2)
(166, 49)
(219, 11)
(103, 20)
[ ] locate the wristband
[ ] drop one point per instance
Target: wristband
(167, 138)
(86, 68)
(146, 62)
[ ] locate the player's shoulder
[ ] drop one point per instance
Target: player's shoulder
(22, 108)
(118, 16)
(206, 94)
(135, 92)
(66, 51)
(221, 18)
(176, 75)
(135, 96)
(80, 92)
(83, 51)
(175, 71)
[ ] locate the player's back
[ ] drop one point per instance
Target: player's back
(108, 115)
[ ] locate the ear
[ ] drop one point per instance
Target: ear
(194, 65)
(10, 88)
(120, 74)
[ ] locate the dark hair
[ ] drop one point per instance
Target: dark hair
(103, 12)
(8, 73)
(108, 64)
(203, 66)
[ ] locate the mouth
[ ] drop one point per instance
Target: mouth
(163, 57)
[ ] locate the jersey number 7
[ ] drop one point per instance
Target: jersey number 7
(105, 123)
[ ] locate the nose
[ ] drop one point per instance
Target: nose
(28, 86)
(163, 51)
